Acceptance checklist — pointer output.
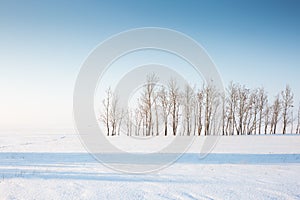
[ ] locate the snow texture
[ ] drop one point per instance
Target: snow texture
(56, 166)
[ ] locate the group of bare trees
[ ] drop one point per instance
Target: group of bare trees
(250, 112)
(182, 110)
(112, 115)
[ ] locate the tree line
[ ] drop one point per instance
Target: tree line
(174, 110)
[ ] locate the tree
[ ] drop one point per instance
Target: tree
(138, 116)
(129, 118)
(156, 109)
(200, 97)
(250, 110)
(243, 95)
(232, 101)
(195, 114)
(114, 114)
(292, 121)
(224, 113)
(287, 103)
(164, 102)
(174, 95)
(188, 98)
(267, 112)
(120, 121)
(111, 115)
(255, 108)
(298, 124)
(276, 109)
(262, 100)
(216, 115)
(106, 112)
(148, 101)
(211, 103)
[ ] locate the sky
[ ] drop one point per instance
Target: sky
(44, 43)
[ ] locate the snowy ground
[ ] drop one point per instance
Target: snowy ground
(56, 166)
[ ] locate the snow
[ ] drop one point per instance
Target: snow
(56, 166)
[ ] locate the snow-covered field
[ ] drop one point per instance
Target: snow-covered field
(56, 166)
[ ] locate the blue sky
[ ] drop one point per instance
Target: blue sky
(43, 43)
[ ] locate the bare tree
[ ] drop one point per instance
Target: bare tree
(129, 123)
(232, 104)
(255, 107)
(174, 95)
(250, 110)
(298, 123)
(195, 114)
(106, 109)
(114, 114)
(164, 102)
(262, 98)
(200, 98)
(211, 100)
(188, 98)
(276, 109)
(243, 96)
(138, 116)
(267, 112)
(224, 113)
(216, 116)
(292, 121)
(287, 103)
(122, 113)
(148, 98)
(145, 116)
(157, 117)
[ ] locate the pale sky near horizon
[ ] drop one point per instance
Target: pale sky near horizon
(44, 43)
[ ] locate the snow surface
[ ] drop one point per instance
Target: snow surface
(56, 166)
